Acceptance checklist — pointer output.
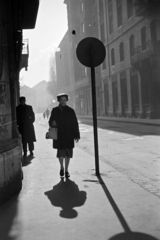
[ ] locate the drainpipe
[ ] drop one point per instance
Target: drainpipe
(99, 35)
(107, 45)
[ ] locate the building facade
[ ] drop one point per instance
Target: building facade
(128, 82)
(79, 27)
(15, 16)
(132, 36)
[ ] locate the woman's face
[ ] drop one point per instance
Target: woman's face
(63, 101)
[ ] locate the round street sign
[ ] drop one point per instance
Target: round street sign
(91, 52)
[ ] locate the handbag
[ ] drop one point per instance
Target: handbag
(52, 133)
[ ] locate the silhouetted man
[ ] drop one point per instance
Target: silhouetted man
(25, 120)
(47, 113)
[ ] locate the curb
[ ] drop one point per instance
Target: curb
(155, 122)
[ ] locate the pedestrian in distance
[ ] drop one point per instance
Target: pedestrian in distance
(25, 120)
(64, 118)
(44, 115)
(47, 113)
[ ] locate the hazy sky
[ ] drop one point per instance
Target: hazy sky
(51, 26)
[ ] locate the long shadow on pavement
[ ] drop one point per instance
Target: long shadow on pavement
(27, 160)
(133, 236)
(67, 195)
(136, 129)
(8, 212)
(128, 234)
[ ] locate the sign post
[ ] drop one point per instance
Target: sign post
(94, 112)
(91, 53)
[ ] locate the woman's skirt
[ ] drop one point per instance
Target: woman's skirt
(67, 152)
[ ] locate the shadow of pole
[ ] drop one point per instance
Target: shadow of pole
(113, 204)
(136, 129)
(133, 236)
(128, 234)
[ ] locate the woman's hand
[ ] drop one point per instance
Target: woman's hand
(54, 124)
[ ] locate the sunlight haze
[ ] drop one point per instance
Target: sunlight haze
(50, 28)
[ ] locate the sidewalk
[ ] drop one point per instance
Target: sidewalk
(155, 122)
(80, 208)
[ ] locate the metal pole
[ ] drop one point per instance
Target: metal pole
(94, 111)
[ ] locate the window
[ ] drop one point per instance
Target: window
(82, 28)
(85, 71)
(134, 87)
(112, 57)
(129, 8)
(121, 51)
(110, 14)
(106, 92)
(104, 64)
(153, 28)
(143, 38)
(139, 7)
(82, 6)
(119, 12)
(131, 45)
(123, 83)
(106, 97)
(115, 93)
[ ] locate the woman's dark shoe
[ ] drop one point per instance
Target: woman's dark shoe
(67, 175)
(31, 153)
(61, 172)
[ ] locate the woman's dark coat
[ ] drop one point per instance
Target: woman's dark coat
(67, 124)
(25, 120)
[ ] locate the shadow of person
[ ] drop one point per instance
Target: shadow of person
(66, 195)
(27, 160)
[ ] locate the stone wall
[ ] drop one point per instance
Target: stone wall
(10, 173)
(10, 146)
(5, 100)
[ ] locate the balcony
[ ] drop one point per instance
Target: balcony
(25, 54)
(139, 54)
(146, 7)
(152, 52)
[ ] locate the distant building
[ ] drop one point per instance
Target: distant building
(64, 68)
(44, 98)
(128, 81)
(79, 23)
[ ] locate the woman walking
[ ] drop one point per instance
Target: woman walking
(64, 118)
